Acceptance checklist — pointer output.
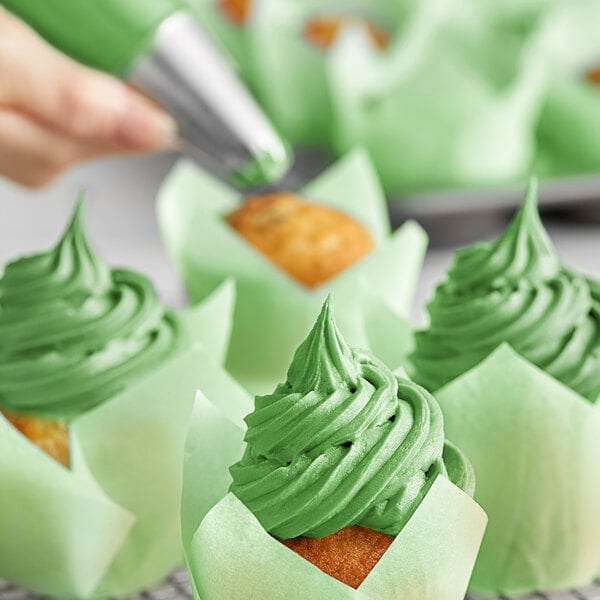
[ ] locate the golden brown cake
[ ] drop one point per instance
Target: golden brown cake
(593, 75)
(312, 243)
(237, 11)
(323, 30)
(50, 436)
(349, 555)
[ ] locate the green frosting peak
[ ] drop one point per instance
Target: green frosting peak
(324, 360)
(343, 442)
(74, 332)
(524, 251)
(513, 290)
(69, 269)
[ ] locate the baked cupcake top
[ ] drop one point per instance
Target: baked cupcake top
(311, 242)
(512, 290)
(73, 331)
(343, 442)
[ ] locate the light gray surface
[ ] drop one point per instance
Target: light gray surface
(120, 218)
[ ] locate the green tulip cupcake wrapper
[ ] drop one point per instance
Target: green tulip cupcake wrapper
(273, 312)
(230, 555)
(110, 524)
(569, 121)
(535, 447)
(482, 133)
(290, 75)
(436, 108)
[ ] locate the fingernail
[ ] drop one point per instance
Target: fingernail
(146, 128)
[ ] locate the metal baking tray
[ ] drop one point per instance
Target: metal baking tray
(460, 216)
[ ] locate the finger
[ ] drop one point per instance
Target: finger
(80, 102)
(33, 155)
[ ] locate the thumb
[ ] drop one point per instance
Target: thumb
(75, 100)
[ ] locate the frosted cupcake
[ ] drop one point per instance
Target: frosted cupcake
(73, 334)
(513, 290)
(346, 464)
(512, 352)
(96, 373)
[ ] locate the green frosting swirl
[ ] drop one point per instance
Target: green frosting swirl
(73, 332)
(512, 290)
(343, 442)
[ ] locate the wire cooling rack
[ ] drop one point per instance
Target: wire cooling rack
(177, 587)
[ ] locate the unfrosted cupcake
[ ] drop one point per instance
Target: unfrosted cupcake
(311, 242)
(286, 251)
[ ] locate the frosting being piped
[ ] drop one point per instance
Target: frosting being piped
(74, 332)
(343, 442)
(513, 290)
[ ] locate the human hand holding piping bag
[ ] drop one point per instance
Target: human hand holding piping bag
(55, 112)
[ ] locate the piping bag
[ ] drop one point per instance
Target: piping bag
(164, 52)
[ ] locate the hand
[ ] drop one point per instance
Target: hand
(55, 112)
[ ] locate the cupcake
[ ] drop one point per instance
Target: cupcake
(512, 352)
(568, 129)
(74, 333)
(310, 242)
(345, 483)
(483, 130)
(323, 30)
(371, 73)
(286, 251)
(513, 290)
(237, 11)
(570, 112)
(95, 378)
(290, 46)
(283, 49)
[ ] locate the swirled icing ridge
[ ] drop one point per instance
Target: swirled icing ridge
(73, 332)
(512, 290)
(343, 442)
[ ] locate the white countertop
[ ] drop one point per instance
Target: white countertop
(120, 219)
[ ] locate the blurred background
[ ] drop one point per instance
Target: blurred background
(457, 102)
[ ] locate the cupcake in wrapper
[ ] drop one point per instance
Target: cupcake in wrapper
(334, 219)
(567, 130)
(283, 49)
(289, 46)
(439, 110)
(441, 94)
(346, 464)
(512, 352)
(95, 381)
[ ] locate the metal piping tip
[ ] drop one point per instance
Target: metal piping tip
(221, 125)
(264, 169)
